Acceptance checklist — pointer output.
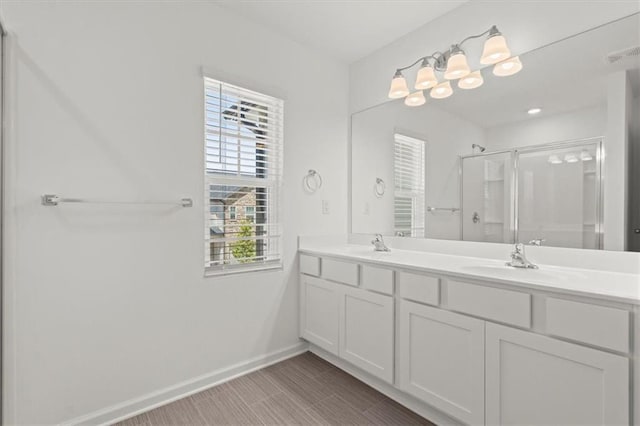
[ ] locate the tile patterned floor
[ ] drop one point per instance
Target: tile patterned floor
(304, 390)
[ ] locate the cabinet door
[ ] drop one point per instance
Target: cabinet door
(536, 380)
(442, 360)
(366, 331)
(319, 311)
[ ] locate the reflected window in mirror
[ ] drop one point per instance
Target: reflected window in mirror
(409, 186)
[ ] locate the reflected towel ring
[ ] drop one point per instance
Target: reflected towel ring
(379, 187)
(312, 181)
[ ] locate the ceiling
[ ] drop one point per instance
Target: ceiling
(346, 30)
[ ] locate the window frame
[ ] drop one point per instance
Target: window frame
(266, 183)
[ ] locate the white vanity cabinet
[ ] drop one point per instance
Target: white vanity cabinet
(349, 318)
(536, 380)
(367, 330)
(319, 312)
(441, 360)
(481, 352)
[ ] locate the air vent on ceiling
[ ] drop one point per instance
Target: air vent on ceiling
(614, 57)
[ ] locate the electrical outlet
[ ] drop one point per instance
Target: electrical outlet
(325, 206)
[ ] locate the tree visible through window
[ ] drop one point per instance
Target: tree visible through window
(243, 145)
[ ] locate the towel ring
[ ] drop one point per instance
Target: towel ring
(312, 181)
(379, 187)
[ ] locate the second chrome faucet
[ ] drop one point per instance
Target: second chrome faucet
(519, 260)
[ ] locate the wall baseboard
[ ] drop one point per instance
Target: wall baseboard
(135, 406)
(419, 407)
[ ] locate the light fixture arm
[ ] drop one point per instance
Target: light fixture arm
(493, 31)
(440, 58)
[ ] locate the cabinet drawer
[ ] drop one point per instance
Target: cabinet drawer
(377, 279)
(343, 272)
(510, 307)
(419, 288)
(309, 265)
(584, 322)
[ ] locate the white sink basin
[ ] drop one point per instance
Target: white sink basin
(510, 273)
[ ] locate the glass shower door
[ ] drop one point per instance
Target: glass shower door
(558, 192)
(487, 207)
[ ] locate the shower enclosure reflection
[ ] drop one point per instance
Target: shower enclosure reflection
(550, 195)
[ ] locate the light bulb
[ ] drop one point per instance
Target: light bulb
(457, 66)
(415, 99)
(571, 158)
(426, 77)
(554, 159)
(495, 49)
(398, 87)
(534, 111)
(471, 81)
(507, 67)
(441, 91)
(585, 155)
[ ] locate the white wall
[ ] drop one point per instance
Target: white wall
(447, 136)
(527, 25)
(105, 304)
(573, 125)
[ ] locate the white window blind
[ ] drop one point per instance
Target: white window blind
(243, 169)
(409, 191)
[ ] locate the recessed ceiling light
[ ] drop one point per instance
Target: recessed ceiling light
(534, 111)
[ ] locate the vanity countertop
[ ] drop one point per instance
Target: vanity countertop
(613, 286)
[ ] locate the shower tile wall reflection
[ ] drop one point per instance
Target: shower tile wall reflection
(555, 196)
(558, 194)
(486, 198)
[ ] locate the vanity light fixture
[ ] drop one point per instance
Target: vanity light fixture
(426, 77)
(442, 90)
(471, 81)
(399, 87)
(534, 111)
(453, 65)
(415, 99)
(507, 67)
(457, 66)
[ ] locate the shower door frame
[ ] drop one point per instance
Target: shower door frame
(515, 159)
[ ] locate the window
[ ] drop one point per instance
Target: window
(250, 213)
(243, 164)
(409, 182)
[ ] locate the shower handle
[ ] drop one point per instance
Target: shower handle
(476, 217)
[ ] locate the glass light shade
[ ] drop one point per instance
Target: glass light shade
(554, 159)
(471, 81)
(495, 50)
(426, 78)
(398, 87)
(507, 67)
(457, 66)
(571, 158)
(586, 156)
(415, 99)
(441, 91)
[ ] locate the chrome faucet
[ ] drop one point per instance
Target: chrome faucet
(378, 244)
(519, 260)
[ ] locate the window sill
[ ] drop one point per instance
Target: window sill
(242, 270)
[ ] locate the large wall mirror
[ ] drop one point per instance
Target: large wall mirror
(519, 159)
